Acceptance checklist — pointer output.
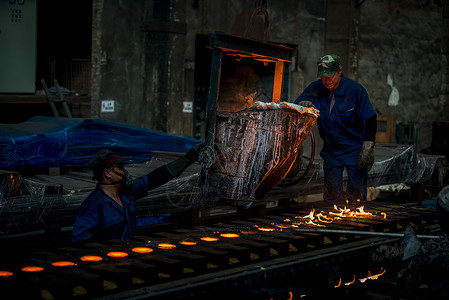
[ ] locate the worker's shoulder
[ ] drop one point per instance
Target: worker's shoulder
(95, 198)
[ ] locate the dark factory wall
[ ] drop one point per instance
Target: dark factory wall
(145, 59)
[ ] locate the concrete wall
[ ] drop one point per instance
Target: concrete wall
(394, 48)
(400, 61)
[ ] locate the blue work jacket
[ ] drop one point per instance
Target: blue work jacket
(100, 218)
(342, 128)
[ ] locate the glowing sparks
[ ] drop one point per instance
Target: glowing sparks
(283, 226)
(310, 215)
(363, 280)
(321, 218)
(351, 282)
(381, 272)
(310, 222)
(339, 283)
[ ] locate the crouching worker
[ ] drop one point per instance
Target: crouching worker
(424, 273)
(109, 212)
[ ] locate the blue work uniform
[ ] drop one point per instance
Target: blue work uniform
(342, 128)
(100, 218)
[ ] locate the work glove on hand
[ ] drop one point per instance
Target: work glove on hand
(193, 153)
(366, 156)
(306, 103)
(413, 245)
(179, 165)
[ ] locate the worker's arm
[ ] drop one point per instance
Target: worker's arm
(173, 169)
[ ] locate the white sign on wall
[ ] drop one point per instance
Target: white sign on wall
(107, 105)
(187, 106)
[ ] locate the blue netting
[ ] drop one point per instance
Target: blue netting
(57, 142)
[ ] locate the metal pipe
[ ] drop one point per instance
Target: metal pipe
(355, 232)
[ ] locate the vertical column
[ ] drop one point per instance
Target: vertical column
(97, 12)
(214, 90)
(164, 58)
(444, 90)
(341, 33)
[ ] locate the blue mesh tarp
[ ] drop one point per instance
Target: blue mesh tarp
(43, 142)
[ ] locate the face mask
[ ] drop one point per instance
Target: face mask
(127, 180)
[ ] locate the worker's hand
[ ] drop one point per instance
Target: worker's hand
(192, 154)
(306, 103)
(413, 245)
(366, 156)
(178, 166)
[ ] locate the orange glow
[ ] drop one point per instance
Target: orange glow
(229, 235)
(266, 229)
(248, 232)
(323, 218)
(166, 246)
(290, 294)
(346, 212)
(375, 276)
(188, 243)
(142, 250)
(283, 226)
(209, 239)
(381, 272)
(384, 214)
(362, 211)
(5, 274)
(351, 282)
(63, 264)
(339, 283)
(312, 111)
(314, 224)
(32, 269)
(91, 258)
(117, 254)
(310, 215)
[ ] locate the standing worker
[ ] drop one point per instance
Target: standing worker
(109, 212)
(347, 125)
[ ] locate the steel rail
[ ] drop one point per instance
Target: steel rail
(355, 232)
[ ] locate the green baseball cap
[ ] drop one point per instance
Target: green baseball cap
(328, 65)
(105, 158)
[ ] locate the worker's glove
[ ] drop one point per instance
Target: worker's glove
(366, 156)
(193, 153)
(306, 103)
(179, 165)
(413, 245)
